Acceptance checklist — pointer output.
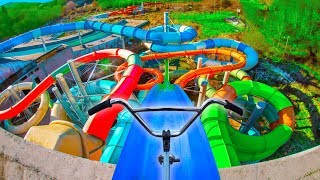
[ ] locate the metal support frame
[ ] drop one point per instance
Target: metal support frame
(76, 76)
(256, 113)
(44, 44)
(226, 76)
(80, 38)
(199, 63)
(63, 83)
(202, 93)
(122, 42)
(17, 97)
(166, 29)
(64, 104)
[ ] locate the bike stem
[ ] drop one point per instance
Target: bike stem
(166, 135)
(166, 159)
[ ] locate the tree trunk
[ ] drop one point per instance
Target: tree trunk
(313, 55)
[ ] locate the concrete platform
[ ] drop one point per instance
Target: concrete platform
(23, 160)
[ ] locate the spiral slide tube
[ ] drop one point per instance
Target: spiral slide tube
(184, 79)
(145, 35)
(148, 85)
(220, 144)
(35, 118)
(160, 47)
(241, 61)
(253, 148)
(123, 89)
(72, 41)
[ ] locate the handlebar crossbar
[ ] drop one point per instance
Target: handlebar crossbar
(134, 111)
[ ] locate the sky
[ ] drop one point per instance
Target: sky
(2, 2)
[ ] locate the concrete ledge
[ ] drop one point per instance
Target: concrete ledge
(23, 160)
(20, 159)
(298, 166)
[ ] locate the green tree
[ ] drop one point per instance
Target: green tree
(4, 10)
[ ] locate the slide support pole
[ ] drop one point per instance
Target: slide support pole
(17, 97)
(165, 28)
(63, 83)
(63, 103)
(76, 76)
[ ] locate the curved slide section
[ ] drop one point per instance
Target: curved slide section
(158, 76)
(215, 123)
(241, 61)
(123, 89)
(251, 54)
(35, 118)
(210, 91)
(185, 78)
(114, 148)
(128, 31)
(192, 147)
(253, 148)
(69, 42)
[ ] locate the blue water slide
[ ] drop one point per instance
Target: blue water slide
(7, 45)
(74, 41)
(118, 135)
(128, 31)
(162, 41)
(139, 157)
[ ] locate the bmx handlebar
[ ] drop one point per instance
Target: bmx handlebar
(134, 111)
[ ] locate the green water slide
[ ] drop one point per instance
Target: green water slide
(215, 122)
(229, 146)
(253, 148)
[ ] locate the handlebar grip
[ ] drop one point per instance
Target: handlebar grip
(99, 107)
(233, 108)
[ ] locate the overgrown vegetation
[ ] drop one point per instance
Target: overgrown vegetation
(105, 4)
(302, 89)
(18, 18)
(211, 24)
(291, 27)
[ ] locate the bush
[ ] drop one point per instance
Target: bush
(211, 24)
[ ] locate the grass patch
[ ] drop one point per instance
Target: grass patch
(313, 71)
(210, 24)
(288, 26)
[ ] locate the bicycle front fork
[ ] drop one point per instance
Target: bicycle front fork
(166, 160)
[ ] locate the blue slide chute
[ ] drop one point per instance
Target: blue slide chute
(139, 157)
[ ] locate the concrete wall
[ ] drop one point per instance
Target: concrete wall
(23, 160)
(304, 165)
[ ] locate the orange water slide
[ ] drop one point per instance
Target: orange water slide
(183, 80)
(148, 85)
